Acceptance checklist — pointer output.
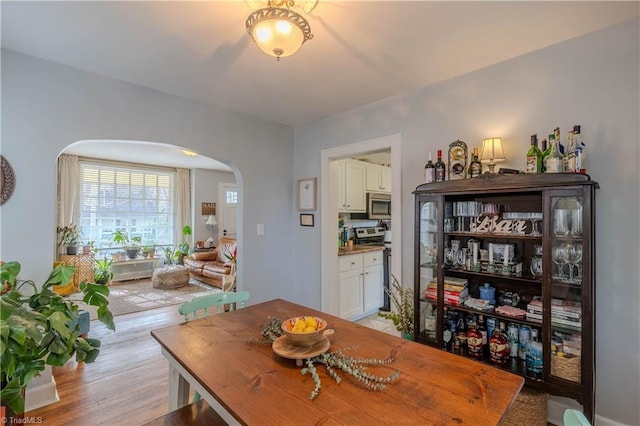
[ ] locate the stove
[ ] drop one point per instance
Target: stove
(369, 236)
(375, 236)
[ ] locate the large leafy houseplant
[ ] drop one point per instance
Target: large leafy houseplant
(402, 313)
(41, 328)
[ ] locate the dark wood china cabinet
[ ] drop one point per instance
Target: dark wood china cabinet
(514, 252)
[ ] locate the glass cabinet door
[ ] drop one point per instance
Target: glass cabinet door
(566, 249)
(428, 252)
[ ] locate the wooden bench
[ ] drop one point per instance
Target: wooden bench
(197, 413)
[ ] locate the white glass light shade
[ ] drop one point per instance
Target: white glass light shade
(278, 38)
(278, 32)
(211, 220)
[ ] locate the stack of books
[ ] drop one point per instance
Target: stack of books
(564, 313)
(455, 291)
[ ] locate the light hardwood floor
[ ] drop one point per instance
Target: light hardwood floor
(127, 385)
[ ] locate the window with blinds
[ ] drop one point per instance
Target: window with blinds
(133, 199)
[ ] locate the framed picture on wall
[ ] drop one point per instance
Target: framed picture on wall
(306, 219)
(307, 193)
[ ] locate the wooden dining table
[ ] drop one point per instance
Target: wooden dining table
(247, 383)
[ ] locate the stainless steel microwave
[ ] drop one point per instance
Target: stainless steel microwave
(378, 206)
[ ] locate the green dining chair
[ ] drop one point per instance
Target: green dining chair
(204, 306)
(212, 304)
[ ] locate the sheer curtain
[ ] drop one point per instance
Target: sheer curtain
(68, 187)
(183, 203)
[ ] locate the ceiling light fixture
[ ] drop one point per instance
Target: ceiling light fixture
(278, 27)
(189, 153)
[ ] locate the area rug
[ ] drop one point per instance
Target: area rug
(135, 296)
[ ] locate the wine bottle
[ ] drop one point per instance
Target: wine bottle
(440, 168)
(475, 168)
(554, 162)
(534, 156)
(429, 171)
(545, 153)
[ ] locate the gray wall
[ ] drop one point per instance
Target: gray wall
(592, 81)
(47, 106)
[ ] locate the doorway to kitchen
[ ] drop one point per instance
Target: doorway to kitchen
(329, 212)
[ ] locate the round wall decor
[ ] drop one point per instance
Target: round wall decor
(8, 183)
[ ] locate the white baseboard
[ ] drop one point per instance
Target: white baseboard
(41, 394)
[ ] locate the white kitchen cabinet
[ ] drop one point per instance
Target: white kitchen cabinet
(378, 178)
(361, 284)
(373, 281)
(351, 186)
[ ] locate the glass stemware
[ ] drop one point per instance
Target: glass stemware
(573, 254)
(558, 257)
(561, 222)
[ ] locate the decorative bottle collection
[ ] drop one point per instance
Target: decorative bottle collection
(545, 156)
(467, 334)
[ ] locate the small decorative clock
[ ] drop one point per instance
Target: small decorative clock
(457, 160)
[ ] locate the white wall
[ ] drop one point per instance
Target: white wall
(206, 191)
(593, 81)
(47, 106)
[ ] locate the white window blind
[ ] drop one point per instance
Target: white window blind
(129, 198)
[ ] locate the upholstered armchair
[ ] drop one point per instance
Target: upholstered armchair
(217, 267)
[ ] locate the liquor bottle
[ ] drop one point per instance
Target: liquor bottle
(498, 347)
(462, 333)
(570, 155)
(429, 171)
(440, 168)
(483, 331)
(475, 168)
(556, 135)
(474, 339)
(554, 162)
(534, 355)
(534, 156)
(580, 163)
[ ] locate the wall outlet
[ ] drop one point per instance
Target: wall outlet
(260, 229)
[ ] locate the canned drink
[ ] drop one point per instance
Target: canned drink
(524, 336)
(491, 325)
(513, 347)
(512, 332)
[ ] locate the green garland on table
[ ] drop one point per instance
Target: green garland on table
(336, 360)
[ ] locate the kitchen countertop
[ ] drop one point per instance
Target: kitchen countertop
(359, 249)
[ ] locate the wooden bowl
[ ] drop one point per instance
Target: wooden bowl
(305, 339)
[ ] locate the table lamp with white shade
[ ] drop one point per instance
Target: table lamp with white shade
(492, 152)
(211, 221)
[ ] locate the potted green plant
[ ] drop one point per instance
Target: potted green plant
(169, 255)
(102, 272)
(130, 245)
(183, 248)
(68, 237)
(402, 313)
(41, 328)
(148, 251)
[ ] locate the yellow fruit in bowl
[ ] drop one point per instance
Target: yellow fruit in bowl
(311, 322)
(309, 330)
